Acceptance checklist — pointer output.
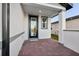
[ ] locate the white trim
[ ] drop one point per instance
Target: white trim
(53, 6)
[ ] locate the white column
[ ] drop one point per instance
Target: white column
(39, 26)
(62, 25)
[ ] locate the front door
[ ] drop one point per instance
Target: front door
(33, 26)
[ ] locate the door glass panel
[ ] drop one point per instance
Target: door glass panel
(33, 26)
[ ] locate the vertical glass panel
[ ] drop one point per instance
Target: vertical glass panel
(33, 26)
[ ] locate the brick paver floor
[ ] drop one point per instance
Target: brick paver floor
(45, 47)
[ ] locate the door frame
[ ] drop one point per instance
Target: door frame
(30, 25)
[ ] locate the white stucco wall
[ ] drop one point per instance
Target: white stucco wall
(0, 52)
(16, 19)
(26, 28)
(16, 27)
(0, 25)
(71, 40)
(44, 33)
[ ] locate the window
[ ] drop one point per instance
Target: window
(44, 22)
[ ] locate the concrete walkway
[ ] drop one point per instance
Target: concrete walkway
(45, 47)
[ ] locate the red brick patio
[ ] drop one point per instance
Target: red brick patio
(45, 47)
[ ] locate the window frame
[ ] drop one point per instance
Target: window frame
(45, 24)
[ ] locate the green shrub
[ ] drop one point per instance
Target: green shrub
(54, 36)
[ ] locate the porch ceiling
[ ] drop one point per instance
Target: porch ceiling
(36, 9)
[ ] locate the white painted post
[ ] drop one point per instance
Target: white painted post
(62, 25)
(39, 25)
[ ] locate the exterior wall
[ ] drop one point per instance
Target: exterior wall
(44, 33)
(70, 35)
(26, 28)
(72, 24)
(0, 52)
(16, 27)
(0, 25)
(71, 40)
